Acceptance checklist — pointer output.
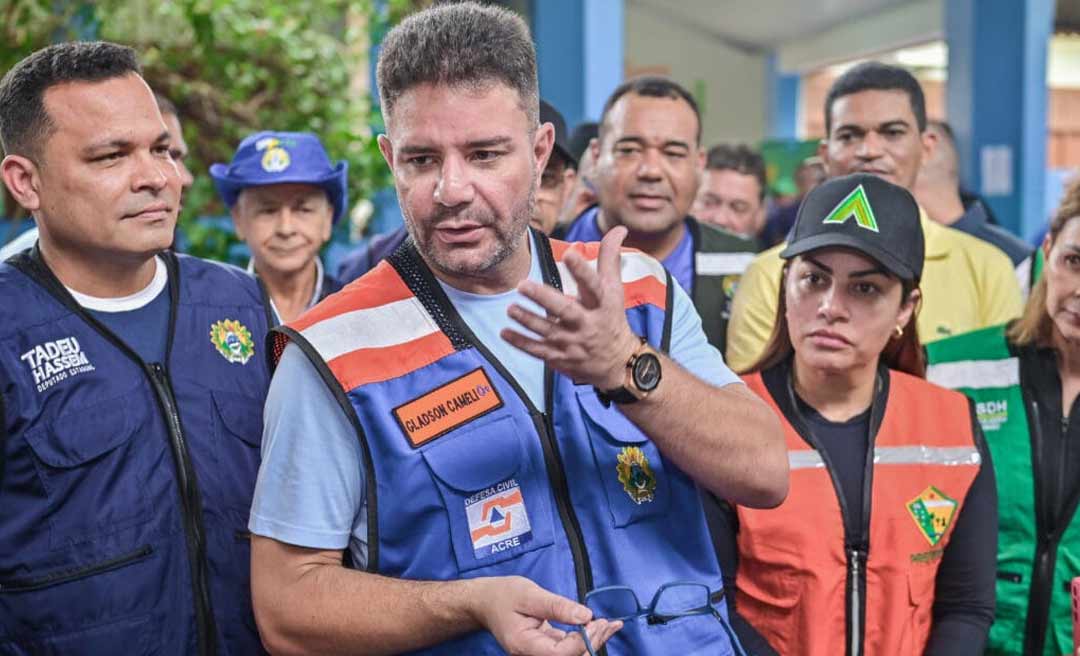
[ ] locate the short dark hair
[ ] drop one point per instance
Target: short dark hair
(651, 86)
(739, 158)
(463, 44)
(24, 123)
(875, 76)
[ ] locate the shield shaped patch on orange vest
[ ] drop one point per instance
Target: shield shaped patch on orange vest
(933, 512)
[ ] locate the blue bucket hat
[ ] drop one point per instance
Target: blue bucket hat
(267, 158)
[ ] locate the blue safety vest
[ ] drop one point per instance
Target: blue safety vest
(125, 486)
(466, 478)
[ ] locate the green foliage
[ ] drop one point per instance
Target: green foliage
(233, 67)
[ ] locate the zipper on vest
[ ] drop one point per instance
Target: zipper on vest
(191, 511)
(557, 476)
(553, 464)
(855, 559)
(190, 503)
(72, 574)
(1048, 535)
(856, 537)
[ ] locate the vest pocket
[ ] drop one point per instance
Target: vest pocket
(238, 428)
(628, 463)
(131, 636)
(494, 502)
(58, 577)
(921, 597)
(90, 471)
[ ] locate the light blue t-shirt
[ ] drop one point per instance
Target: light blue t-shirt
(485, 314)
(310, 489)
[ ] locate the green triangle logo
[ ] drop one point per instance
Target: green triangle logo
(857, 205)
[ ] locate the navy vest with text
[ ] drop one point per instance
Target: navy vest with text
(125, 486)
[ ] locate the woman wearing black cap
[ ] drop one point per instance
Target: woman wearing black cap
(886, 542)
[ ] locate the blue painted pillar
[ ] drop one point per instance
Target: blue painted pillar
(997, 99)
(579, 53)
(782, 102)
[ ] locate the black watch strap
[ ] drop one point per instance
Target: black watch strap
(619, 395)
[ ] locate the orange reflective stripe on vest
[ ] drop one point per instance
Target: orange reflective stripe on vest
(793, 578)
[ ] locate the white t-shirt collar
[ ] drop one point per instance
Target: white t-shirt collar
(127, 303)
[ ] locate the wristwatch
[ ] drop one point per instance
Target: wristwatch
(643, 374)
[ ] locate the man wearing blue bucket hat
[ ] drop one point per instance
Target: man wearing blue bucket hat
(285, 195)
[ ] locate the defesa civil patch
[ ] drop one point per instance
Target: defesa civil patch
(498, 520)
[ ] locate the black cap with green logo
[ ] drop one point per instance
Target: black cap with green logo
(865, 213)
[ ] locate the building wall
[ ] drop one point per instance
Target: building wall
(728, 81)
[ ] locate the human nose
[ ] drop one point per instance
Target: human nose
(454, 187)
(833, 306)
(649, 164)
(870, 146)
(285, 222)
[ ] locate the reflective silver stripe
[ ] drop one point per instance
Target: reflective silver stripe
(898, 455)
(975, 374)
(804, 459)
(954, 456)
(1023, 275)
(722, 264)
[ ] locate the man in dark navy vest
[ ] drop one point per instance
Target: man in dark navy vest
(131, 382)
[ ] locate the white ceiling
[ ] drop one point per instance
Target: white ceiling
(764, 24)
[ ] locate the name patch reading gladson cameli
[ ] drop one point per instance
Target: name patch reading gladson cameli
(445, 408)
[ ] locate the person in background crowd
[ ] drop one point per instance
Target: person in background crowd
(178, 150)
(1024, 377)
(285, 195)
(131, 382)
(648, 167)
(581, 138)
(440, 417)
(875, 122)
(937, 188)
(556, 190)
(582, 194)
(732, 192)
(885, 544)
(559, 174)
(808, 174)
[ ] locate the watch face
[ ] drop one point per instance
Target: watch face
(647, 372)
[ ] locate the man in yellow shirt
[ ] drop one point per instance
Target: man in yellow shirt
(875, 122)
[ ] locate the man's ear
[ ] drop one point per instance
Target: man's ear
(22, 179)
(543, 144)
(929, 142)
(238, 223)
(386, 147)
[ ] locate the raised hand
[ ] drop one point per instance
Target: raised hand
(586, 337)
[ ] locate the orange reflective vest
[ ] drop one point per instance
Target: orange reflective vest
(809, 588)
